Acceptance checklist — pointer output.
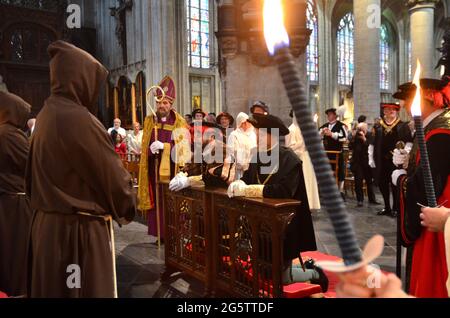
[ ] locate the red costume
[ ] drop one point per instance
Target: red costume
(427, 263)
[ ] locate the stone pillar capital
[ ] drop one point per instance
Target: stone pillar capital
(417, 4)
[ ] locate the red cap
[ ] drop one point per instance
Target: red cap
(390, 105)
(168, 85)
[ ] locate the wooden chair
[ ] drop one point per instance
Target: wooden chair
(334, 161)
(349, 183)
(349, 177)
(131, 163)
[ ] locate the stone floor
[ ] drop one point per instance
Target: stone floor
(140, 263)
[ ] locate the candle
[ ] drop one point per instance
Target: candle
(420, 135)
(278, 44)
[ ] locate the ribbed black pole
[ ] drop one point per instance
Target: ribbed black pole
(331, 197)
(425, 162)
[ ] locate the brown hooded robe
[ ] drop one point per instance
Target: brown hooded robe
(74, 169)
(15, 212)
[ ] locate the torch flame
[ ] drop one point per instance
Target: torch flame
(416, 110)
(316, 118)
(274, 29)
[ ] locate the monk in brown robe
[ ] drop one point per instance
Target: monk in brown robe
(15, 212)
(77, 184)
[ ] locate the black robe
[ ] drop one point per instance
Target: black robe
(15, 212)
(287, 183)
(384, 144)
(332, 144)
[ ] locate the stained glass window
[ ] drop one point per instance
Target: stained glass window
(384, 58)
(345, 49)
(198, 24)
(312, 51)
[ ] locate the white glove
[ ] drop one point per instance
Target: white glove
(156, 146)
(371, 160)
(400, 158)
(237, 189)
(179, 182)
(396, 174)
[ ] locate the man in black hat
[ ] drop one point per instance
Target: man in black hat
(276, 172)
(385, 138)
(259, 107)
(334, 135)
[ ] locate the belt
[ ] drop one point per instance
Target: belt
(108, 219)
(22, 194)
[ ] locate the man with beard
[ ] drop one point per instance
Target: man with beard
(165, 142)
(77, 184)
(214, 168)
(15, 212)
(385, 138)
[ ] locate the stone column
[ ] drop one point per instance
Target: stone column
(133, 103)
(421, 14)
(116, 102)
(366, 90)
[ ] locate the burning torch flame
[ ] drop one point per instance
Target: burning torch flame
(274, 30)
(415, 108)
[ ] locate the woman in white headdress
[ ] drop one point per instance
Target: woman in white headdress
(296, 142)
(242, 143)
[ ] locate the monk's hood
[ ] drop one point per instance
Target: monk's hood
(13, 110)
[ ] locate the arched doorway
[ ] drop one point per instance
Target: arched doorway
(141, 106)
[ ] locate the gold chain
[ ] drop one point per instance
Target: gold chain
(267, 178)
(388, 128)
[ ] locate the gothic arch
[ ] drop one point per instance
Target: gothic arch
(124, 102)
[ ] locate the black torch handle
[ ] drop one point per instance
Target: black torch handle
(425, 163)
(330, 196)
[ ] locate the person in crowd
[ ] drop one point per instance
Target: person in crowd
(15, 212)
(334, 134)
(296, 142)
(390, 131)
(259, 107)
(242, 143)
(135, 140)
(117, 127)
(225, 120)
(359, 164)
(76, 182)
(120, 146)
(211, 118)
(188, 118)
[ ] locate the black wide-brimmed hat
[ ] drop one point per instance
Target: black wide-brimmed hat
(225, 114)
(199, 110)
(269, 122)
(331, 110)
(260, 104)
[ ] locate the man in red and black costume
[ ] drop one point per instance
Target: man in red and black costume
(385, 138)
(426, 262)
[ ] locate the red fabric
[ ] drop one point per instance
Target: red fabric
(168, 85)
(3, 295)
(121, 150)
(429, 266)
